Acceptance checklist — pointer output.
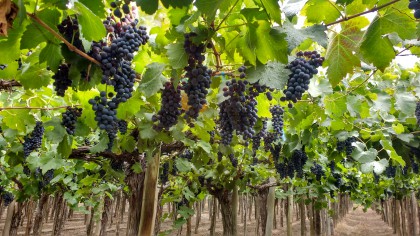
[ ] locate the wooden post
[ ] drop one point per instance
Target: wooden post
(414, 211)
(235, 209)
(150, 195)
(213, 216)
(290, 212)
(270, 209)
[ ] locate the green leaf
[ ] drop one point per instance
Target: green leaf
(318, 11)
(204, 145)
(57, 134)
(270, 43)
(183, 165)
(91, 24)
(340, 56)
(178, 3)
(9, 47)
(377, 48)
(52, 55)
(293, 7)
(177, 55)
(387, 145)
(406, 102)
(152, 79)
(102, 145)
(295, 37)
(10, 118)
(21, 16)
(208, 7)
(273, 75)
(148, 6)
(335, 105)
(28, 75)
(362, 156)
(64, 148)
(35, 34)
(273, 9)
(49, 161)
(96, 6)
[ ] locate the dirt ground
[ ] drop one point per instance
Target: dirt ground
(356, 223)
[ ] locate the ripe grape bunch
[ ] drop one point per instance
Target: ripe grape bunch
(277, 113)
(70, 118)
(299, 159)
(7, 198)
(346, 145)
(256, 139)
(61, 79)
(106, 115)
(46, 178)
(303, 68)
(415, 5)
(164, 176)
(122, 126)
(33, 141)
(417, 113)
(170, 107)
(317, 170)
(125, 7)
(238, 112)
(199, 77)
(125, 39)
(69, 28)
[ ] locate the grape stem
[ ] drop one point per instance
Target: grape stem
(7, 84)
(362, 13)
(35, 108)
(58, 36)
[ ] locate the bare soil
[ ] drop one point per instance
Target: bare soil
(356, 223)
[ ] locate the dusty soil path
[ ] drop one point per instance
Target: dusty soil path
(359, 223)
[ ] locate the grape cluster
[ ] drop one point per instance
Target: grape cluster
(117, 165)
(125, 8)
(115, 60)
(238, 112)
(69, 28)
(170, 107)
(390, 171)
(277, 113)
(332, 166)
(61, 79)
(69, 119)
(303, 68)
(346, 146)
(299, 159)
(164, 174)
(46, 179)
(415, 5)
(338, 180)
(417, 112)
(122, 126)
(317, 170)
(199, 77)
(33, 141)
(7, 198)
(256, 139)
(106, 115)
(233, 160)
(187, 154)
(414, 165)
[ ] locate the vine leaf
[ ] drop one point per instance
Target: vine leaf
(64, 148)
(273, 75)
(91, 24)
(359, 154)
(11, 116)
(57, 134)
(377, 166)
(52, 55)
(148, 6)
(318, 11)
(293, 7)
(9, 47)
(273, 9)
(340, 56)
(178, 3)
(377, 48)
(209, 7)
(152, 79)
(387, 145)
(102, 145)
(177, 55)
(295, 37)
(96, 6)
(406, 102)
